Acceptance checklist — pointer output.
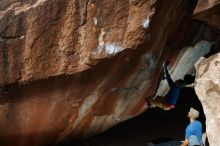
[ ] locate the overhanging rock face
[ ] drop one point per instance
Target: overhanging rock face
(53, 37)
(73, 68)
(207, 88)
(203, 5)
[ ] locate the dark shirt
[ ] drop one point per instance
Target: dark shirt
(173, 94)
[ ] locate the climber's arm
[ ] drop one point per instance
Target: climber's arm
(184, 143)
(190, 85)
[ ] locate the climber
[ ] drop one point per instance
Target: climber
(169, 101)
(193, 133)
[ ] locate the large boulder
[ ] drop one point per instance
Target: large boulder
(74, 68)
(207, 87)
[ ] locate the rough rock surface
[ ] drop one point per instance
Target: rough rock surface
(205, 4)
(53, 37)
(207, 87)
(211, 17)
(73, 68)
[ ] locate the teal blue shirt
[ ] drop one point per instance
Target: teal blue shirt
(194, 128)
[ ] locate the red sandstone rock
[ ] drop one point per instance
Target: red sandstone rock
(75, 68)
(210, 17)
(205, 4)
(50, 38)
